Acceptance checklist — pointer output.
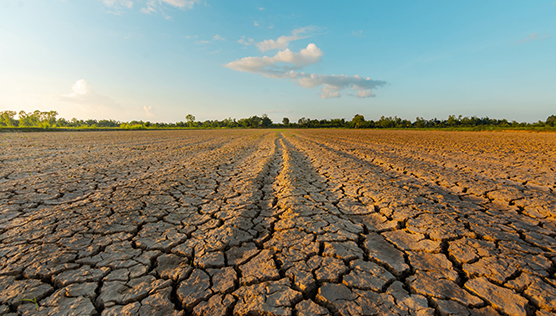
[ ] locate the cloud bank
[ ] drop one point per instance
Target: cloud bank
(284, 64)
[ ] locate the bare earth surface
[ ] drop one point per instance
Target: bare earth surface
(308, 222)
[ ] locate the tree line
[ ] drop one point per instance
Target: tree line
(48, 119)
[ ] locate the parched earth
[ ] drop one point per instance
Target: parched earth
(263, 222)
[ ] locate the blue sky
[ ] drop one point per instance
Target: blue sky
(159, 60)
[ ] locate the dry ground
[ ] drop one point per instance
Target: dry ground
(308, 222)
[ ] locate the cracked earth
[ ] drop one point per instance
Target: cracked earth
(262, 222)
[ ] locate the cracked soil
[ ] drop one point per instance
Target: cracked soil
(264, 222)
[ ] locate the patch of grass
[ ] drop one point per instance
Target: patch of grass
(34, 301)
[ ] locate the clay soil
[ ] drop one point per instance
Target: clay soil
(265, 222)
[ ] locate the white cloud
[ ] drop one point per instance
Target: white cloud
(283, 42)
(118, 3)
(357, 33)
(82, 93)
(83, 101)
(153, 6)
(533, 37)
(188, 4)
(333, 84)
(148, 111)
(245, 41)
(283, 64)
(256, 23)
(148, 10)
(329, 91)
(273, 66)
(530, 37)
(80, 87)
(202, 42)
(261, 8)
(364, 93)
(116, 6)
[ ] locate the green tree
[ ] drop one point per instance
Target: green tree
(190, 120)
(286, 121)
(47, 119)
(266, 121)
(551, 121)
(255, 121)
(244, 122)
(26, 119)
(452, 121)
(303, 122)
(386, 122)
(358, 120)
(7, 118)
(62, 122)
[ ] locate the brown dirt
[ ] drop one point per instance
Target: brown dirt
(261, 222)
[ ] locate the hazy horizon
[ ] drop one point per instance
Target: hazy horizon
(158, 60)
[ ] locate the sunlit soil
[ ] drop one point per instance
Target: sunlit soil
(264, 222)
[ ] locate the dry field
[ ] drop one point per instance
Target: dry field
(262, 222)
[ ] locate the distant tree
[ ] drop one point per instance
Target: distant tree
(386, 122)
(47, 119)
(50, 118)
(62, 122)
(25, 119)
(504, 123)
(452, 121)
(34, 119)
(229, 122)
(338, 123)
(255, 121)
(7, 118)
(551, 121)
(244, 122)
(303, 122)
(358, 120)
(108, 123)
(190, 120)
(419, 122)
(266, 121)
(93, 122)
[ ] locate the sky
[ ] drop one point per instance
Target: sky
(159, 60)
